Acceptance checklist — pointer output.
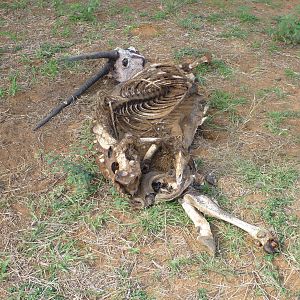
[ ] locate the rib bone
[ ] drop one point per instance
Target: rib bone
(210, 208)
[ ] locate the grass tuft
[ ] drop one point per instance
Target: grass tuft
(154, 219)
(77, 12)
(292, 74)
(189, 52)
(244, 14)
(288, 29)
(235, 32)
(268, 178)
(224, 101)
(191, 22)
(277, 117)
(202, 294)
(218, 67)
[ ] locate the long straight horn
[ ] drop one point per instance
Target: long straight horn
(94, 55)
(104, 71)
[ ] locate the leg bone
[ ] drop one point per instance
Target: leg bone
(205, 235)
(210, 208)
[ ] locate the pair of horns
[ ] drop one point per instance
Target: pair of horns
(112, 57)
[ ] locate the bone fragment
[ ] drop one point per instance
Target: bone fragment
(150, 140)
(104, 138)
(151, 151)
(180, 165)
(205, 235)
(210, 208)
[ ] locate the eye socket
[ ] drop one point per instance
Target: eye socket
(114, 167)
(125, 62)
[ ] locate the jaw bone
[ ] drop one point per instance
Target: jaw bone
(210, 208)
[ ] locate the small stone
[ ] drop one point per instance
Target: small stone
(211, 179)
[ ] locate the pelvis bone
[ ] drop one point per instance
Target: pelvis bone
(145, 127)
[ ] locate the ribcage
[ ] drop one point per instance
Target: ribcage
(145, 102)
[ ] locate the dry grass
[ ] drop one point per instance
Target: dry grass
(66, 234)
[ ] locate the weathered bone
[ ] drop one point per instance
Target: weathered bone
(203, 228)
(210, 208)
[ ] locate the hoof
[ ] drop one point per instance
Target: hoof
(271, 246)
(208, 244)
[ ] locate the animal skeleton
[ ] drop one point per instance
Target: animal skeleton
(145, 128)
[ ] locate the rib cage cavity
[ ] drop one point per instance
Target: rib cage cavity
(149, 98)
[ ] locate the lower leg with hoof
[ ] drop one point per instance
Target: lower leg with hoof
(205, 236)
(210, 208)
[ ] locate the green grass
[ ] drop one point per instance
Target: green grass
(154, 219)
(77, 11)
(235, 32)
(191, 22)
(275, 214)
(48, 50)
(121, 202)
(216, 68)
(97, 222)
(14, 86)
(234, 239)
(13, 36)
(16, 4)
(216, 17)
(61, 28)
(224, 101)
(129, 286)
(273, 47)
(269, 91)
(2, 92)
(243, 13)
(177, 264)
(207, 264)
(189, 52)
(160, 15)
(170, 8)
(256, 45)
(270, 179)
(276, 118)
(4, 265)
(288, 29)
(291, 74)
(50, 69)
(272, 278)
(263, 1)
(116, 9)
(50, 244)
(128, 28)
(202, 294)
(203, 261)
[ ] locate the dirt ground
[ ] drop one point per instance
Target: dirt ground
(59, 240)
